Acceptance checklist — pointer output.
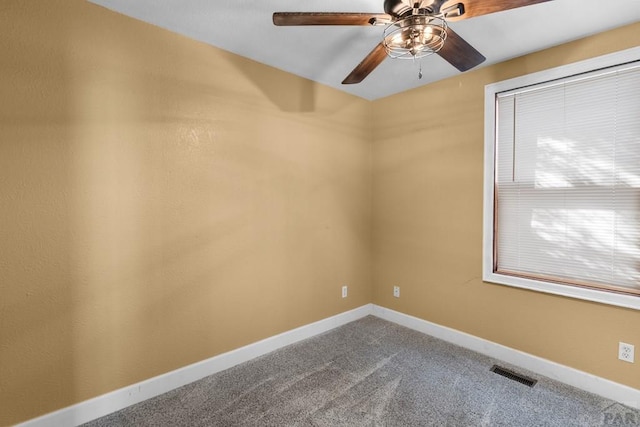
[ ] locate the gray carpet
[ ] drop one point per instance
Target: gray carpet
(371, 373)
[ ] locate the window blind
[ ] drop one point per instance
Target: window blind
(567, 180)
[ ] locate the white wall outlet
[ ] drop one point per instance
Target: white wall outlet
(625, 351)
(345, 290)
(396, 291)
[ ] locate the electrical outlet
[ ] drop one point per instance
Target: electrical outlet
(396, 291)
(625, 351)
(344, 291)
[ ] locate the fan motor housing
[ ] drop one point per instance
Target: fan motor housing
(396, 7)
(403, 8)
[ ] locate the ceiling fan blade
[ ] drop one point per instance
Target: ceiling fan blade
(474, 8)
(457, 52)
(368, 64)
(326, 18)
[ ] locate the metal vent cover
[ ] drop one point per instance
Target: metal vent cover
(507, 373)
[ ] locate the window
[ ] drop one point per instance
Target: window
(562, 180)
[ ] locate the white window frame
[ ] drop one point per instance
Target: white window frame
(488, 275)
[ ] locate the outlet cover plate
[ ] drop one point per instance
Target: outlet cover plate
(626, 352)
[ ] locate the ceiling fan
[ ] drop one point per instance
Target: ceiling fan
(414, 29)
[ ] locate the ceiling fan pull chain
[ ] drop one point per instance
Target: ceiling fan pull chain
(419, 61)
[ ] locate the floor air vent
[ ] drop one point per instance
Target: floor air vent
(513, 376)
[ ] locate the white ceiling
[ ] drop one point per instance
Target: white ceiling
(327, 54)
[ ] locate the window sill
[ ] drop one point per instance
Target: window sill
(603, 297)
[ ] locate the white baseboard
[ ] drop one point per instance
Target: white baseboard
(119, 399)
(564, 374)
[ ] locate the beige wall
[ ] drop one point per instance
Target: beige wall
(161, 202)
(428, 172)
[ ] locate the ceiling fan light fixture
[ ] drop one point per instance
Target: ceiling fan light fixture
(415, 36)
